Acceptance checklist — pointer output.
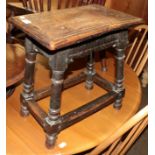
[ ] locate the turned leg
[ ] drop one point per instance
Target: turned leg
(120, 48)
(55, 100)
(90, 72)
(103, 61)
(119, 87)
(28, 86)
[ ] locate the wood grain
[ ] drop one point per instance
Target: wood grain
(68, 26)
(25, 136)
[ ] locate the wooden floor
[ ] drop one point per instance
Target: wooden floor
(26, 137)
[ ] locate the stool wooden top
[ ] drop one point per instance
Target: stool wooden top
(25, 136)
(65, 27)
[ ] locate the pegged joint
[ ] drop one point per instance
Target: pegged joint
(52, 122)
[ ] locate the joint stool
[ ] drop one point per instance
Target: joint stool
(62, 37)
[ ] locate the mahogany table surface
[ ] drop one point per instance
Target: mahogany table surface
(25, 136)
(57, 29)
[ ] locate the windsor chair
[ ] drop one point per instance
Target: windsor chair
(137, 55)
(131, 130)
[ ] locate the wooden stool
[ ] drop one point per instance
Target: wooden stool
(62, 37)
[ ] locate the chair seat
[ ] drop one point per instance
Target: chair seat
(15, 63)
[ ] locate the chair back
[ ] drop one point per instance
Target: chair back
(37, 5)
(137, 54)
(45, 5)
(122, 139)
(75, 3)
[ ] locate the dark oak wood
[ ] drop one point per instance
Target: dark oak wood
(87, 109)
(72, 30)
(62, 42)
(25, 136)
(105, 84)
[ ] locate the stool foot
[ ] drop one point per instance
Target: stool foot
(50, 140)
(117, 104)
(24, 112)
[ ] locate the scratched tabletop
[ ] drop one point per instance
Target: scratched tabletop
(61, 28)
